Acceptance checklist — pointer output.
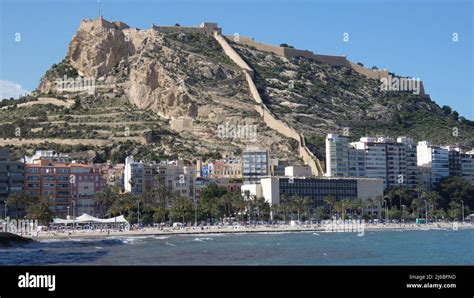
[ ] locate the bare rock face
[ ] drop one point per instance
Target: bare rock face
(98, 47)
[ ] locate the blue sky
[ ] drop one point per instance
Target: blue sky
(412, 38)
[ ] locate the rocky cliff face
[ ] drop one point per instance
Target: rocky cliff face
(181, 74)
(185, 73)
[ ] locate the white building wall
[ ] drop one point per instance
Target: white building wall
(254, 189)
(369, 188)
(298, 171)
(271, 189)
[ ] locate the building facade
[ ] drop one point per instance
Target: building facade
(393, 161)
(255, 165)
(140, 177)
(69, 187)
(433, 162)
(12, 175)
(273, 188)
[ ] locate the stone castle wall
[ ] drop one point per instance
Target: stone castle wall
(177, 29)
(327, 59)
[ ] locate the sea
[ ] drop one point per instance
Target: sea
(399, 247)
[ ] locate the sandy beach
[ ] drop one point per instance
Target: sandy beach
(240, 229)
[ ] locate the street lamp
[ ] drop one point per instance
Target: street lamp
(195, 211)
(386, 210)
(403, 210)
(73, 214)
(462, 202)
(426, 212)
(138, 213)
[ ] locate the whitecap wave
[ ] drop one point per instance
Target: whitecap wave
(202, 239)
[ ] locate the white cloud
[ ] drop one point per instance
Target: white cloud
(10, 89)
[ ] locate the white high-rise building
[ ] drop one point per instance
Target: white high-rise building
(393, 161)
(433, 162)
(342, 158)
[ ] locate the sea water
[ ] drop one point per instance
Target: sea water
(304, 248)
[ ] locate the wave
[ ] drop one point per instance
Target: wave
(202, 239)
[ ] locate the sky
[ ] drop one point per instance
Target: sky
(415, 38)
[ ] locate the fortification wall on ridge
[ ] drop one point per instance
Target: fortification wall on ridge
(179, 29)
(269, 119)
(259, 46)
(327, 59)
(290, 52)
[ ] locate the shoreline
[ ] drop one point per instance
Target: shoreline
(240, 230)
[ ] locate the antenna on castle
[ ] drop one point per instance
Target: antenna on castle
(98, 2)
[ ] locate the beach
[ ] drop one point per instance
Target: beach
(149, 231)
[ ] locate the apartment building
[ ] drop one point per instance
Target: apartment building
(69, 187)
(11, 181)
(433, 162)
(140, 176)
(255, 165)
(393, 161)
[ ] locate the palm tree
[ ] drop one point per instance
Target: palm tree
(369, 204)
(298, 205)
(106, 198)
(250, 199)
(239, 205)
(433, 198)
(262, 208)
(39, 210)
(338, 207)
(181, 207)
(308, 202)
(285, 204)
(330, 201)
(18, 199)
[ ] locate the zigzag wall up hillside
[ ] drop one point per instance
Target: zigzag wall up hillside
(269, 119)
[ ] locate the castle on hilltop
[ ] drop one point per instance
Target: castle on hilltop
(209, 28)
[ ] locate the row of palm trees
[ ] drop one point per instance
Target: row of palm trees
(163, 205)
(33, 207)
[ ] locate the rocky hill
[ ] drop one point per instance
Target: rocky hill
(146, 80)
